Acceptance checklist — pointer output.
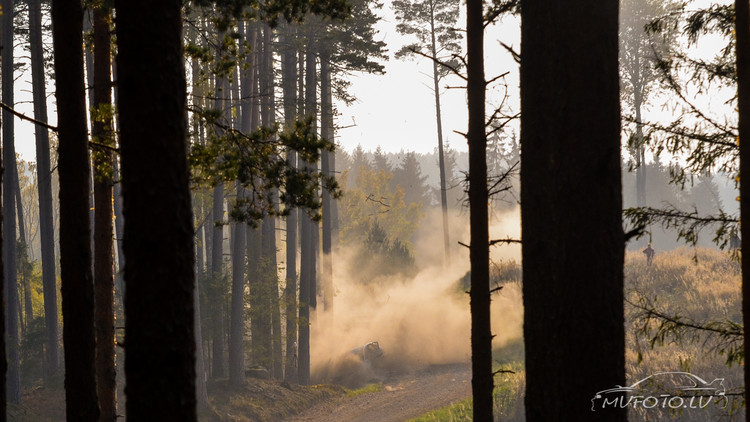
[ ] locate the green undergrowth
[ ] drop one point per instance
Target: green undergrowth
(370, 388)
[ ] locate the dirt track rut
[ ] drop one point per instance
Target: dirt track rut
(402, 397)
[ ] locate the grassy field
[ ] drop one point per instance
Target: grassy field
(693, 286)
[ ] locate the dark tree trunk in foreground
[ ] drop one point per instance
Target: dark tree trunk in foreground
(481, 332)
(571, 209)
(9, 210)
(104, 282)
(3, 360)
(158, 238)
(75, 253)
(742, 31)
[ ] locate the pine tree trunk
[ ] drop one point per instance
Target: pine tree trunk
(573, 244)
(77, 286)
(44, 184)
(273, 284)
(481, 333)
(254, 272)
(217, 274)
(307, 227)
(311, 110)
(22, 260)
(217, 243)
(104, 283)
(742, 33)
(158, 240)
(200, 365)
(441, 150)
(236, 332)
(28, 308)
(640, 171)
(288, 66)
(19, 209)
(200, 268)
(256, 264)
(117, 208)
(9, 203)
(327, 132)
(3, 359)
(88, 56)
(239, 237)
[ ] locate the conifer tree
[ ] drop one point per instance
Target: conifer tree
(571, 207)
(77, 287)
(44, 187)
(9, 206)
(103, 158)
(158, 239)
(433, 23)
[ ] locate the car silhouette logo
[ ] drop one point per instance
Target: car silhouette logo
(661, 385)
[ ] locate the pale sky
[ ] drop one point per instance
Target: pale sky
(397, 110)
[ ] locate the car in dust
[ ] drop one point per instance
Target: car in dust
(369, 352)
(354, 368)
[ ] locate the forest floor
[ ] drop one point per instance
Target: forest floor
(400, 397)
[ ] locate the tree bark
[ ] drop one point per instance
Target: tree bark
(104, 283)
(327, 132)
(273, 280)
(3, 306)
(200, 365)
(742, 33)
(288, 69)
(9, 203)
(158, 238)
(217, 273)
(307, 227)
(481, 333)
(573, 244)
(640, 171)
(217, 244)
(441, 150)
(77, 287)
(22, 259)
(44, 185)
(236, 332)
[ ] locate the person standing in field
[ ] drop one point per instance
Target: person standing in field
(649, 252)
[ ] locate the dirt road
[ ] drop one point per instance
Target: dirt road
(402, 397)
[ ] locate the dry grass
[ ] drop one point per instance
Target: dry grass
(699, 285)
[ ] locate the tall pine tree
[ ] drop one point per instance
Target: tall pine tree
(571, 208)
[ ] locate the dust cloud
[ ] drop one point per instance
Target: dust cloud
(422, 319)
